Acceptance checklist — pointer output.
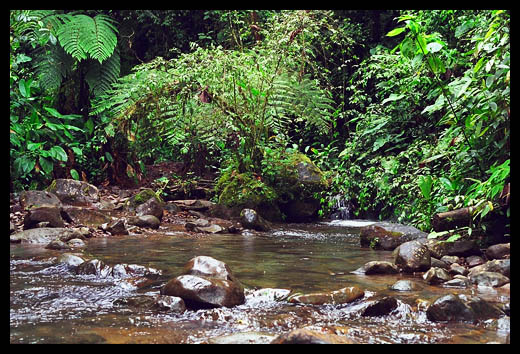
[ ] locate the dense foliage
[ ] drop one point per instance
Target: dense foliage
(406, 111)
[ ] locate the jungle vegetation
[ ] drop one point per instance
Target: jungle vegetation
(406, 112)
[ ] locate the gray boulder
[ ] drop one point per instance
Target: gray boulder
(412, 256)
(250, 219)
(388, 236)
(74, 192)
(36, 199)
(50, 214)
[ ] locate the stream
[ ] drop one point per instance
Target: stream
(50, 304)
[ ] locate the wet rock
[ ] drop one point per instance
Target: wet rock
(85, 216)
(205, 292)
(341, 296)
(244, 338)
(436, 276)
(151, 207)
(450, 259)
(208, 267)
(49, 214)
(449, 308)
(140, 301)
(210, 229)
(72, 260)
(456, 268)
(250, 219)
(461, 308)
(439, 263)
(488, 279)
(498, 251)
(12, 228)
(412, 256)
(192, 225)
(482, 309)
(458, 281)
(94, 267)
(45, 235)
(194, 204)
(474, 261)
(76, 243)
(74, 192)
(404, 285)
(57, 245)
(37, 199)
(170, 304)
(502, 266)
(381, 307)
(147, 221)
(461, 248)
(377, 267)
(207, 282)
(267, 295)
(388, 236)
(117, 227)
(134, 271)
(306, 336)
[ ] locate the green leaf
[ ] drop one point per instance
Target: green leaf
(77, 151)
(24, 165)
(425, 184)
(435, 234)
(89, 124)
(46, 165)
(53, 112)
(58, 153)
(396, 31)
(33, 146)
(447, 183)
(453, 238)
(392, 97)
(74, 174)
(109, 157)
(479, 65)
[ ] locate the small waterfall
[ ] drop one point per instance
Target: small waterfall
(341, 209)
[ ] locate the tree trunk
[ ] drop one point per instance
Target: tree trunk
(452, 219)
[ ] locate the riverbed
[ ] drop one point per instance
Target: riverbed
(51, 304)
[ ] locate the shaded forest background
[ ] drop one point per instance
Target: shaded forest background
(406, 112)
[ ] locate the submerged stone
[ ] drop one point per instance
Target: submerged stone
(341, 296)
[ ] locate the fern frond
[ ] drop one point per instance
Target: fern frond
(52, 65)
(70, 34)
(85, 36)
(100, 77)
(99, 37)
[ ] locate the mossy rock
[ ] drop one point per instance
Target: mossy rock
(243, 190)
(297, 183)
(142, 197)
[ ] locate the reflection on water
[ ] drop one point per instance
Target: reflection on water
(49, 304)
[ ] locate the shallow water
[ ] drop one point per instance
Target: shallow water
(49, 304)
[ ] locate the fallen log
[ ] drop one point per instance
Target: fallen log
(453, 219)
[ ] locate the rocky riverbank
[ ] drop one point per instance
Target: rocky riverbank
(66, 219)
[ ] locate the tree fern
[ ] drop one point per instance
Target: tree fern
(101, 76)
(300, 101)
(52, 65)
(85, 36)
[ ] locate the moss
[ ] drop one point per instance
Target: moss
(142, 197)
(242, 189)
(52, 186)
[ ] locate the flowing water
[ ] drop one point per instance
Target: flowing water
(50, 304)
